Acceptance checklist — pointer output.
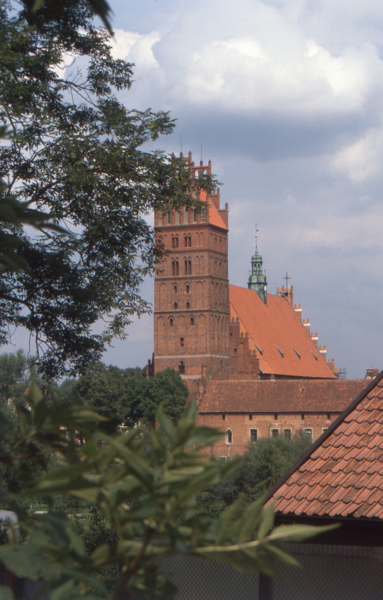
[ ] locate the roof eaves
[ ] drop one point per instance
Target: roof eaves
(324, 436)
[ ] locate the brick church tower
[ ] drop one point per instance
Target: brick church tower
(191, 302)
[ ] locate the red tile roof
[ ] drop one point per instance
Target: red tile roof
(342, 473)
(214, 216)
(283, 345)
(280, 396)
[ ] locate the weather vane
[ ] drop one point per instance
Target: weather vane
(256, 237)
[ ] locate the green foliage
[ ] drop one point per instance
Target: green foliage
(75, 157)
(126, 394)
(144, 486)
(264, 463)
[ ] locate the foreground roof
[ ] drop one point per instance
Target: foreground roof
(275, 331)
(280, 396)
(342, 473)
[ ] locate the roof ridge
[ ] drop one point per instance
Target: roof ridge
(363, 394)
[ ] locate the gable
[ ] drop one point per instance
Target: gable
(276, 333)
(342, 474)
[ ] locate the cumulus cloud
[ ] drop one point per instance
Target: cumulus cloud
(362, 161)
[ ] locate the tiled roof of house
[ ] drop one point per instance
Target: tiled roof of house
(280, 396)
(342, 473)
(214, 216)
(283, 345)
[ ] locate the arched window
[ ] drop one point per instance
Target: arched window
(182, 342)
(229, 436)
(187, 304)
(194, 215)
(171, 322)
(188, 267)
(175, 289)
(175, 241)
(175, 267)
(191, 320)
(169, 218)
(175, 305)
(187, 289)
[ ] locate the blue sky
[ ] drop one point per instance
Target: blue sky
(286, 98)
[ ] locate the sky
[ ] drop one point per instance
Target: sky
(286, 99)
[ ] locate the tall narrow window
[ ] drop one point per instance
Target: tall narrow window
(175, 305)
(229, 436)
(187, 289)
(169, 218)
(191, 320)
(181, 368)
(175, 267)
(253, 435)
(309, 433)
(171, 322)
(189, 266)
(175, 289)
(194, 215)
(185, 241)
(182, 342)
(187, 304)
(175, 241)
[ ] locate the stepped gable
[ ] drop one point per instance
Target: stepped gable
(280, 396)
(342, 473)
(275, 331)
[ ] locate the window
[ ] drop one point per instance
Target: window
(175, 241)
(253, 435)
(328, 417)
(191, 320)
(169, 218)
(182, 342)
(181, 368)
(175, 267)
(309, 433)
(175, 305)
(287, 434)
(250, 416)
(194, 215)
(187, 289)
(171, 322)
(188, 267)
(222, 459)
(302, 417)
(223, 417)
(187, 304)
(175, 289)
(275, 417)
(274, 433)
(229, 436)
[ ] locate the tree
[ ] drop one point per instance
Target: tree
(262, 466)
(126, 394)
(145, 484)
(14, 369)
(75, 157)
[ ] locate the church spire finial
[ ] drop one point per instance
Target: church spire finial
(257, 278)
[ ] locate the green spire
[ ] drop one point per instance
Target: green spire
(257, 278)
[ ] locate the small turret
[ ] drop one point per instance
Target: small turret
(257, 278)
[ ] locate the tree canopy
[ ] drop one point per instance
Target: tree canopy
(261, 467)
(75, 156)
(128, 396)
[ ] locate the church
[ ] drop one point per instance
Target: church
(241, 351)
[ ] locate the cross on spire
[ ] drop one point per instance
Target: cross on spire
(256, 237)
(287, 279)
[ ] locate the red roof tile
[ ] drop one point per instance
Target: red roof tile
(280, 396)
(276, 326)
(339, 476)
